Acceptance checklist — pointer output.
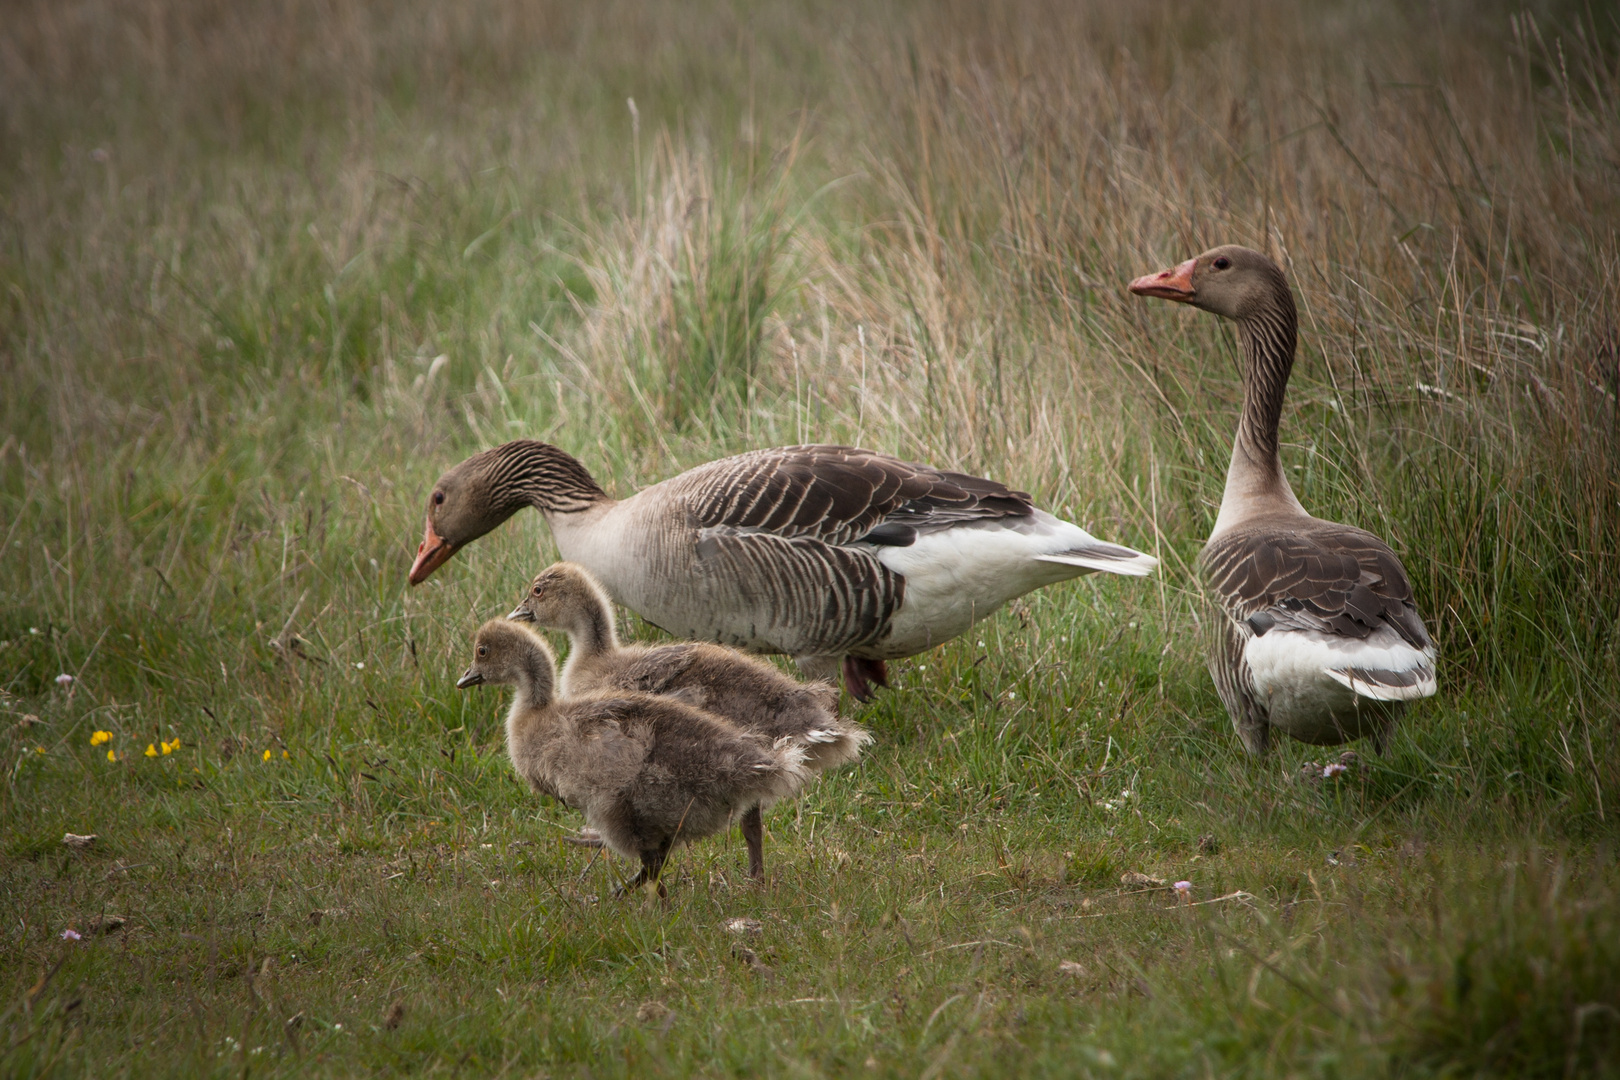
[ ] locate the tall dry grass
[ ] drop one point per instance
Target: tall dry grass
(907, 228)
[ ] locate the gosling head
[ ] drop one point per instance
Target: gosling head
(560, 597)
(509, 653)
(1230, 281)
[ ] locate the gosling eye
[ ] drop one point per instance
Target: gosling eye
(539, 590)
(1222, 263)
(438, 498)
(483, 650)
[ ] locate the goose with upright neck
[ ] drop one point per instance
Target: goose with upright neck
(1322, 639)
(833, 555)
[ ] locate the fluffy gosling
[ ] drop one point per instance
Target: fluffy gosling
(742, 689)
(647, 772)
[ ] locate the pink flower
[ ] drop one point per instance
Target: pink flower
(64, 679)
(1184, 887)
(70, 934)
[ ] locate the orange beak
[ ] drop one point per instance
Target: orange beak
(1172, 284)
(434, 553)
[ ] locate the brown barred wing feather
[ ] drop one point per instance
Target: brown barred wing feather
(854, 594)
(839, 495)
(1325, 577)
(807, 519)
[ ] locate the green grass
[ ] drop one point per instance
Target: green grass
(271, 270)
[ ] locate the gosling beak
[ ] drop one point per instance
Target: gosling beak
(472, 678)
(432, 554)
(521, 614)
(1172, 284)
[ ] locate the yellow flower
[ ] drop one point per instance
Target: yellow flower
(267, 755)
(285, 755)
(112, 755)
(100, 737)
(39, 749)
(151, 751)
(171, 747)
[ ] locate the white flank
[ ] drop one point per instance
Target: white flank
(959, 575)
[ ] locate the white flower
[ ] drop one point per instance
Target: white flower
(361, 666)
(63, 679)
(1330, 771)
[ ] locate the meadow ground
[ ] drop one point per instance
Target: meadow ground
(268, 269)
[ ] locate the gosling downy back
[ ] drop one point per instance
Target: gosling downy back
(748, 692)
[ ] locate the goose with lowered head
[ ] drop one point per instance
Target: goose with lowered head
(829, 554)
(1321, 638)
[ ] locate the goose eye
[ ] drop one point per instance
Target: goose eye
(1222, 263)
(483, 650)
(438, 498)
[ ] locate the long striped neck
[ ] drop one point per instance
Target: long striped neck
(1255, 483)
(532, 473)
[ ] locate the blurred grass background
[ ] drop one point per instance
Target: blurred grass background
(268, 269)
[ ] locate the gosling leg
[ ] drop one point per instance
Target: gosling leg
(753, 830)
(652, 869)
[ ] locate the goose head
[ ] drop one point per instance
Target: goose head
(506, 653)
(1231, 281)
(479, 494)
(564, 597)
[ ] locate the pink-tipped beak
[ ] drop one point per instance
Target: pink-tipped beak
(1172, 284)
(434, 552)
